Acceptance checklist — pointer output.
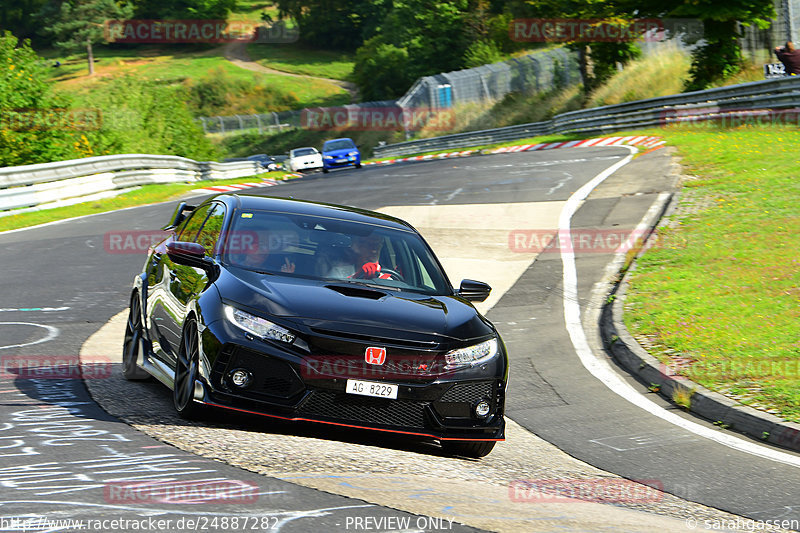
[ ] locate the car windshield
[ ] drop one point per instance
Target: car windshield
(340, 144)
(304, 151)
(332, 249)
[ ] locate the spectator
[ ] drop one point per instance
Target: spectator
(790, 58)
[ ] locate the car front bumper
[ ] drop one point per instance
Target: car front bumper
(284, 387)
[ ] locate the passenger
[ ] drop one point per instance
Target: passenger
(255, 254)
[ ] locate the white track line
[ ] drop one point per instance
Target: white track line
(601, 369)
(52, 333)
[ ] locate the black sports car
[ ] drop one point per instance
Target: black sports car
(306, 311)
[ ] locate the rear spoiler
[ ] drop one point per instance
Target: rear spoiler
(179, 216)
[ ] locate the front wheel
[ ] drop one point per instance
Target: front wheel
(473, 449)
(186, 372)
(358, 165)
(132, 347)
(324, 170)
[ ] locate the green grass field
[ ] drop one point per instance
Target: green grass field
(184, 64)
(296, 59)
(722, 308)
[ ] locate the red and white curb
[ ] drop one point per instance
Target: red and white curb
(240, 186)
(644, 141)
(423, 158)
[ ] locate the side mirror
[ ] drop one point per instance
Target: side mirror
(474, 291)
(187, 253)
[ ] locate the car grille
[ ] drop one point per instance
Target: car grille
(379, 341)
(350, 408)
(460, 399)
(468, 392)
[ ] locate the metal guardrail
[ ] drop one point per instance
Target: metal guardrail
(775, 94)
(31, 187)
(44, 185)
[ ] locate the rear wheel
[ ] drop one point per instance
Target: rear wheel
(186, 372)
(474, 449)
(132, 347)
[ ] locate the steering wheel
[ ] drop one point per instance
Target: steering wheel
(393, 273)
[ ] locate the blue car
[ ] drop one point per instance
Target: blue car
(339, 153)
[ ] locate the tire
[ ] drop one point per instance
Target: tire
(358, 165)
(473, 449)
(133, 343)
(186, 371)
(324, 170)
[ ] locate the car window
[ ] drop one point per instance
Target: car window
(304, 151)
(212, 228)
(342, 144)
(334, 249)
(190, 228)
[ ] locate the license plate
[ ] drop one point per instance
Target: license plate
(370, 388)
(341, 160)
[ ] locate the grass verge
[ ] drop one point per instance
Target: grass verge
(722, 308)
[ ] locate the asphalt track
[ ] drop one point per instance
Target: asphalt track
(63, 280)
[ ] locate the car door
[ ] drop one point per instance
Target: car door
(187, 282)
(163, 306)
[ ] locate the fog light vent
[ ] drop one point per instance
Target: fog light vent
(482, 408)
(241, 377)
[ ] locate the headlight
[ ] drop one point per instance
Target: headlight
(471, 356)
(258, 326)
(353, 153)
(328, 157)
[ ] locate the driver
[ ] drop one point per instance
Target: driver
(360, 260)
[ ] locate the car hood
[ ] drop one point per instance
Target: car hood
(354, 308)
(340, 153)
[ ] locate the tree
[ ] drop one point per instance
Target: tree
(27, 108)
(81, 24)
(381, 70)
(597, 60)
(721, 56)
(184, 9)
(333, 23)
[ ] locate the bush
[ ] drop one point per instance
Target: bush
(146, 117)
(27, 133)
(218, 93)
